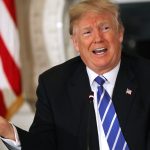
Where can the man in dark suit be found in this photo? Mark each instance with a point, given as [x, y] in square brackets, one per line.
[67, 116]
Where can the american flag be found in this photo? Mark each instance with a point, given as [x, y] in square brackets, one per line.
[10, 74]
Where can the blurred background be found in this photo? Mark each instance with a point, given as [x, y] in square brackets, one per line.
[34, 37]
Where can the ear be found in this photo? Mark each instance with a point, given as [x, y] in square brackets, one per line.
[121, 34]
[75, 42]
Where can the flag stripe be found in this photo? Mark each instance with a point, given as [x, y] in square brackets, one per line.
[9, 33]
[2, 105]
[10, 87]
[11, 8]
[10, 68]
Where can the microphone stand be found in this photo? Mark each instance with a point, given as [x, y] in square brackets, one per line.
[91, 98]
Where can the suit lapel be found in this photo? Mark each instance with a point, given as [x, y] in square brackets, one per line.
[79, 91]
[124, 91]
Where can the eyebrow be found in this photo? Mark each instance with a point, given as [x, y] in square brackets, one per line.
[86, 27]
[99, 24]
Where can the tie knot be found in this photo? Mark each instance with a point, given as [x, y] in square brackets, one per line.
[100, 80]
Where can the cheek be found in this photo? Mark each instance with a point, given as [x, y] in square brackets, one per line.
[83, 45]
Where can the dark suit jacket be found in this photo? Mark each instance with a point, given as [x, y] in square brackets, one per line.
[63, 111]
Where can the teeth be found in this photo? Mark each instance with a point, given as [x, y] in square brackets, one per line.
[99, 49]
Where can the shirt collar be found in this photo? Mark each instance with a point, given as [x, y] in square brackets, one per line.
[110, 76]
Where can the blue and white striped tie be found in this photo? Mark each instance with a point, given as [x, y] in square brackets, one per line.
[109, 118]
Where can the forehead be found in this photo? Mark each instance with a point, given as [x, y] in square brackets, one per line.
[92, 18]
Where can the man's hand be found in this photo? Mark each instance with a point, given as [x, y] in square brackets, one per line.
[6, 129]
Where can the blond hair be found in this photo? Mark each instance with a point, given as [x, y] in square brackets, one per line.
[98, 6]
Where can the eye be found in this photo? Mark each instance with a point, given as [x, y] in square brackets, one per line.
[105, 28]
[86, 33]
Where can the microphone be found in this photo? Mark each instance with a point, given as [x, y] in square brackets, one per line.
[91, 98]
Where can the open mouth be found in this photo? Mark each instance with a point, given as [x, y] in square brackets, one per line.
[99, 51]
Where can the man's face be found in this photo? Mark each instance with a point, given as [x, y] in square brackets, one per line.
[98, 40]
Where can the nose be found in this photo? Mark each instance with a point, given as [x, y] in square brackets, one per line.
[98, 37]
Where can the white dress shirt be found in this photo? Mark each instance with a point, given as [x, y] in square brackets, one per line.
[109, 86]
